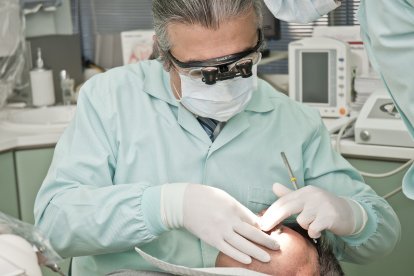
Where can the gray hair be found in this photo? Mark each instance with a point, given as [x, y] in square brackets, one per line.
[207, 13]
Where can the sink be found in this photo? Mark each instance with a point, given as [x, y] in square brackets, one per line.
[54, 118]
[42, 116]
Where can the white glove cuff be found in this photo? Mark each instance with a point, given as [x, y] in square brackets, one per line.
[172, 204]
[360, 215]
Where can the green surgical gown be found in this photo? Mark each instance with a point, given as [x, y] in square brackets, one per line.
[388, 33]
[129, 136]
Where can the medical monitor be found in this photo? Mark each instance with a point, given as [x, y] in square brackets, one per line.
[320, 75]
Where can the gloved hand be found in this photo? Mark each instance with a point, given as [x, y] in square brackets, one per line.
[318, 210]
[216, 218]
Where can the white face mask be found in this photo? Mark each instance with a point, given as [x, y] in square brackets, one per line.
[219, 101]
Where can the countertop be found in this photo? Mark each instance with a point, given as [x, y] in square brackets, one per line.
[14, 139]
[11, 140]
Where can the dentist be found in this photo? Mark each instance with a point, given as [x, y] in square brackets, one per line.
[176, 155]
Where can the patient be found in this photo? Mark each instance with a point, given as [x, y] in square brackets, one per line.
[298, 255]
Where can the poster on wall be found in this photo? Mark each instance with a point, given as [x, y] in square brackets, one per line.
[136, 45]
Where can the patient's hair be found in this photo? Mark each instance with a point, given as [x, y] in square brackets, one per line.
[328, 264]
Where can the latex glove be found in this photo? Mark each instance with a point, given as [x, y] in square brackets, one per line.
[318, 210]
[216, 218]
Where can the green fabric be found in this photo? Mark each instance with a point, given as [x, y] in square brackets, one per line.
[388, 34]
[151, 203]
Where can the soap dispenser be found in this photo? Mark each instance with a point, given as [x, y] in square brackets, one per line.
[41, 80]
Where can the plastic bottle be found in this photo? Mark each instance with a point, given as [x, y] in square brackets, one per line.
[41, 80]
[67, 86]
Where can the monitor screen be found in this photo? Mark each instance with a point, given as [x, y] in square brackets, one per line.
[315, 77]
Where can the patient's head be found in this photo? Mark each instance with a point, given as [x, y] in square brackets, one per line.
[298, 255]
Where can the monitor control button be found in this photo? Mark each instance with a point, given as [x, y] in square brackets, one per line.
[365, 135]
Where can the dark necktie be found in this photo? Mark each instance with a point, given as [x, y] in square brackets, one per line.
[209, 125]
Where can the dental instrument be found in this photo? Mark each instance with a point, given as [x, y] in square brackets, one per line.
[292, 177]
